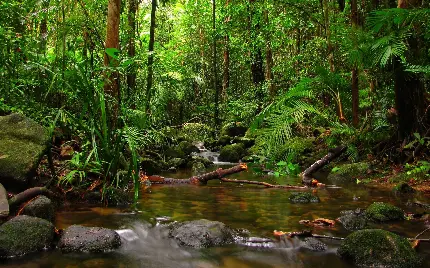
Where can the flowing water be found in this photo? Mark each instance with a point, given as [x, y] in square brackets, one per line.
[257, 209]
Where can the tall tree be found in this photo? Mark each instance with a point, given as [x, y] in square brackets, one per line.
[214, 65]
[269, 58]
[132, 10]
[226, 72]
[111, 86]
[256, 54]
[149, 79]
[354, 73]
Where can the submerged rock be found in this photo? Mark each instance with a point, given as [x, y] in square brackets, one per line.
[314, 244]
[41, 207]
[201, 233]
[353, 219]
[24, 234]
[380, 212]
[378, 248]
[78, 238]
[349, 172]
[232, 153]
[22, 144]
[303, 198]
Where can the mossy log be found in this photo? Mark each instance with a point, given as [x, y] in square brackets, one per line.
[332, 154]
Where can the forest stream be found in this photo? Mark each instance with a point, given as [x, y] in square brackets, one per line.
[257, 209]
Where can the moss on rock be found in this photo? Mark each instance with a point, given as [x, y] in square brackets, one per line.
[151, 166]
[24, 234]
[403, 188]
[348, 172]
[41, 207]
[232, 153]
[22, 143]
[380, 212]
[234, 129]
[378, 248]
[303, 198]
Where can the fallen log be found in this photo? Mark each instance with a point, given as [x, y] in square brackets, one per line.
[268, 185]
[332, 154]
[199, 180]
[28, 194]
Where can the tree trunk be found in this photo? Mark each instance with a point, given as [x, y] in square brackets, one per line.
[111, 86]
[149, 78]
[328, 35]
[43, 28]
[409, 93]
[226, 72]
[269, 58]
[131, 76]
[354, 73]
[256, 55]
[214, 66]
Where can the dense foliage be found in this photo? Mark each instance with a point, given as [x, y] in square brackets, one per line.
[354, 72]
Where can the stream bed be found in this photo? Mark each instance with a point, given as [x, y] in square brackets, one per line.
[259, 210]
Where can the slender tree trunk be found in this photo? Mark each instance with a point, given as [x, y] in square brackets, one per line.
[214, 65]
[269, 58]
[256, 55]
[226, 72]
[150, 76]
[111, 86]
[328, 35]
[354, 73]
[131, 76]
[43, 28]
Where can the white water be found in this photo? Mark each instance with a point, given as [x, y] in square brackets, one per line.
[211, 156]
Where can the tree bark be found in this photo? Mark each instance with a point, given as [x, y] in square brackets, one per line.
[111, 86]
[214, 66]
[354, 73]
[257, 70]
[269, 58]
[307, 174]
[328, 35]
[131, 76]
[149, 79]
[199, 180]
[226, 72]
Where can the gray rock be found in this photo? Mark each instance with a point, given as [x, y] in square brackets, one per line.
[378, 248]
[353, 219]
[22, 144]
[78, 238]
[24, 234]
[314, 244]
[41, 207]
[4, 204]
[201, 233]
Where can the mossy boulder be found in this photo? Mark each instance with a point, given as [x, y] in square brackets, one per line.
[195, 158]
[151, 166]
[4, 204]
[381, 212]
[247, 142]
[403, 188]
[41, 207]
[378, 248]
[22, 144]
[186, 148]
[353, 220]
[303, 198]
[234, 129]
[177, 162]
[232, 153]
[224, 140]
[198, 168]
[24, 234]
[78, 238]
[201, 233]
[348, 172]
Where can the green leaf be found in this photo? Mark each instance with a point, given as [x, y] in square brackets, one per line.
[358, 181]
[276, 174]
[112, 52]
[281, 163]
[335, 169]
